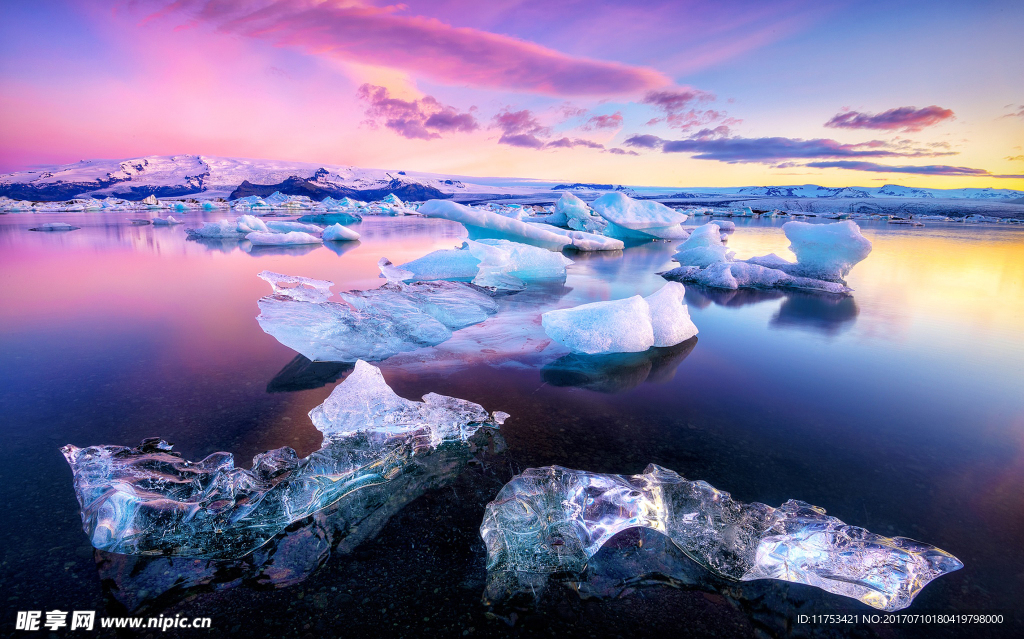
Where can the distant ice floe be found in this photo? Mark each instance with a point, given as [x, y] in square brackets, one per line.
[551, 521]
[490, 263]
[166, 221]
[55, 226]
[371, 325]
[149, 501]
[825, 254]
[291, 238]
[630, 325]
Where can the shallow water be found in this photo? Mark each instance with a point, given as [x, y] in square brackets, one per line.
[899, 409]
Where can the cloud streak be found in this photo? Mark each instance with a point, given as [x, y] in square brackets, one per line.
[682, 108]
[382, 36]
[933, 169]
[423, 119]
[708, 144]
[909, 119]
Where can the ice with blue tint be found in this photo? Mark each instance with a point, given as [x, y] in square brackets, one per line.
[485, 224]
[628, 325]
[170, 220]
[149, 501]
[704, 247]
[237, 228]
[489, 262]
[736, 275]
[339, 233]
[292, 238]
[639, 219]
[281, 226]
[553, 520]
[823, 251]
[55, 226]
[371, 325]
[583, 240]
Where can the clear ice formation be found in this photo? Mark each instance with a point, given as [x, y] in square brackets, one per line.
[553, 520]
[825, 254]
[630, 325]
[573, 212]
[280, 226]
[639, 219]
[149, 501]
[492, 263]
[371, 325]
[237, 228]
[339, 233]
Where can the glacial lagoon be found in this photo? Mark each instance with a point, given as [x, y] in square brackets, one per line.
[899, 408]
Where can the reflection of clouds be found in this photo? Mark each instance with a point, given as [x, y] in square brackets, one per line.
[617, 372]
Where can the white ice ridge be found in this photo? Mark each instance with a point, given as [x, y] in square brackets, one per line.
[482, 223]
[630, 325]
[639, 219]
[166, 221]
[291, 238]
[339, 233]
[573, 212]
[825, 254]
[494, 263]
[371, 325]
[553, 520]
[148, 500]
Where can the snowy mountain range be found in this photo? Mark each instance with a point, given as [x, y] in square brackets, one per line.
[208, 177]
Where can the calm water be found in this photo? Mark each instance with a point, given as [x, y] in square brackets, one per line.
[900, 409]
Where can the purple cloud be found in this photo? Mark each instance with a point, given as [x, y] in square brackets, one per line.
[772, 150]
[933, 169]
[645, 141]
[1019, 113]
[520, 128]
[423, 119]
[681, 108]
[909, 119]
[612, 121]
[618, 151]
[382, 36]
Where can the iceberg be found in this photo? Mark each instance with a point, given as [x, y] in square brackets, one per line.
[338, 233]
[823, 251]
[148, 501]
[735, 275]
[279, 226]
[55, 226]
[573, 212]
[584, 241]
[639, 219]
[369, 325]
[485, 224]
[552, 520]
[240, 226]
[166, 221]
[704, 247]
[281, 239]
[489, 262]
[630, 325]
[335, 217]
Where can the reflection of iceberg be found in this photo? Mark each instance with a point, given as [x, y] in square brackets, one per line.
[702, 297]
[265, 250]
[372, 325]
[340, 248]
[303, 374]
[553, 520]
[828, 314]
[616, 372]
[147, 500]
[294, 554]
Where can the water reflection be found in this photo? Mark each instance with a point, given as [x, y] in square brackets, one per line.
[617, 372]
[702, 296]
[304, 374]
[340, 248]
[828, 314]
[265, 251]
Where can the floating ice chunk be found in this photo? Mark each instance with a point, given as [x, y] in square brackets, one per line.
[553, 520]
[493, 263]
[337, 217]
[584, 241]
[445, 264]
[55, 226]
[250, 223]
[147, 500]
[298, 288]
[394, 274]
[375, 324]
[670, 318]
[281, 239]
[218, 229]
[639, 219]
[825, 251]
[481, 223]
[279, 226]
[167, 221]
[630, 325]
[704, 247]
[733, 275]
[338, 233]
[726, 226]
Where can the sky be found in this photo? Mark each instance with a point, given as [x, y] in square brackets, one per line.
[659, 93]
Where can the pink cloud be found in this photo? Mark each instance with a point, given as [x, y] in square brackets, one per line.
[909, 119]
[424, 119]
[682, 108]
[612, 121]
[383, 37]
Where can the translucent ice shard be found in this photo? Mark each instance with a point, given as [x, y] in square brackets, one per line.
[302, 289]
[639, 219]
[553, 520]
[825, 251]
[149, 501]
[704, 247]
[489, 262]
[629, 325]
[371, 325]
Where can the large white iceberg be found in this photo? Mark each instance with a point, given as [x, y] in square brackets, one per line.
[735, 275]
[292, 238]
[704, 247]
[489, 262]
[629, 325]
[240, 226]
[339, 233]
[370, 325]
[281, 226]
[485, 224]
[639, 219]
[823, 251]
